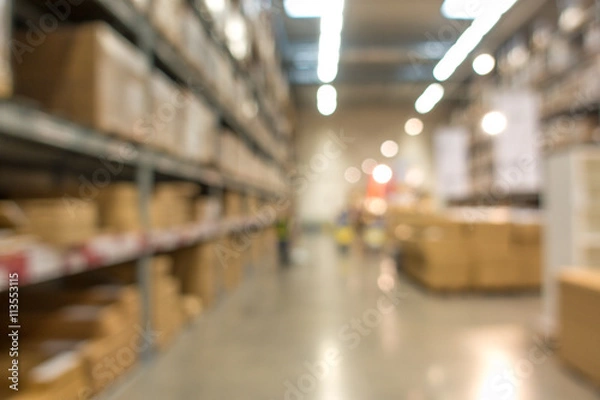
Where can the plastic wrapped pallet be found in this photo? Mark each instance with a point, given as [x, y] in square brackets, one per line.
[89, 74]
[5, 34]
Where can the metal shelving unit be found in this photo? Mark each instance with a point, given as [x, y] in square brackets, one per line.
[24, 124]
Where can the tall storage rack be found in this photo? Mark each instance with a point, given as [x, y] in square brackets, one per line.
[29, 133]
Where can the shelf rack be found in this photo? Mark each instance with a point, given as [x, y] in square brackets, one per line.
[24, 123]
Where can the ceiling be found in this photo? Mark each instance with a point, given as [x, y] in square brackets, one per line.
[389, 48]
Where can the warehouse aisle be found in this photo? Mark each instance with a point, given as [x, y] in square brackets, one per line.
[326, 330]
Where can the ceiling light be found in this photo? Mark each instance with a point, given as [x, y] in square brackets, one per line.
[484, 64]
[352, 175]
[303, 8]
[368, 166]
[462, 9]
[571, 18]
[468, 41]
[413, 127]
[215, 6]
[382, 174]
[429, 99]
[494, 123]
[327, 100]
[389, 148]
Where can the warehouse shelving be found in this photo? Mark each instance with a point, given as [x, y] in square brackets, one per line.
[25, 126]
[112, 249]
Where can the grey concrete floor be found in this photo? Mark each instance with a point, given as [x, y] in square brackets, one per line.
[345, 328]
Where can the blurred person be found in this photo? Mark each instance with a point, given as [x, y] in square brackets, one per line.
[284, 233]
[344, 234]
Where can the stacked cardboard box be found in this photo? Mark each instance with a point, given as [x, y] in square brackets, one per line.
[199, 131]
[197, 270]
[168, 113]
[173, 205]
[580, 321]
[195, 43]
[207, 209]
[526, 253]
[88, 73]
[118, 206]
[490, 246]
[448, 253]
[6, 84]
[167, 16]
[100, 323]
[48, 374]
[167, 306]
[232, 204]
[60, 222]
[232, 250]
[436, 253]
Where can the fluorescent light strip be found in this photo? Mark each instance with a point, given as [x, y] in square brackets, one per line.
[332, 22]
[430, 98]
[469, 40]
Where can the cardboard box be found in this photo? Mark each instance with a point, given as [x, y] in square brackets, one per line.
[526, 233]
[79, 321]
[108, 358]
[580, 321]
[60, 222]
[207, 209]
[6, 79]
[118, 207]
[495, 275]
[173, 205]
[232, 206]
[489, 242]
[528, 262]
[169, 106]
[89, 74]
[167, 308]
[195, 41]
[196, 268]
[58, 376]
[192, 307]
[167, 16]
[199, 131]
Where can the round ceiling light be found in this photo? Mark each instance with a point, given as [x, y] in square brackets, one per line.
[382, 174]
[413, 127]
[484, 64]
[494, 123]
[389, 149]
